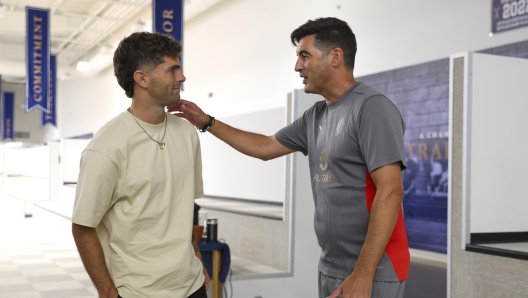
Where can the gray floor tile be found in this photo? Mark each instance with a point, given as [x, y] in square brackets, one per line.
[49, 278]
[10, 273]
[58, 250]
[6, 263]
[17, 288]
[38, 266]
[426, 278]
[75, 269]
[87, 283]
[28, 256]
[13, 280]
[45, 243]
[66, 293]
[58, 285]
[67, 259]
[31, 294]
[43, 272]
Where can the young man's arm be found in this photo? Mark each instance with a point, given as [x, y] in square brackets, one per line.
[252, 144]
[93, 259]
[199, 255]
[383, 216]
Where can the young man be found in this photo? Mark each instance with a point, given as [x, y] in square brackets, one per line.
[140, 174]
[354, 142]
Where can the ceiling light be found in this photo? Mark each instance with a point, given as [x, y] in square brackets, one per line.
[83, 66]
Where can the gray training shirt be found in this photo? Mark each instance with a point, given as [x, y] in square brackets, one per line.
[345, 141]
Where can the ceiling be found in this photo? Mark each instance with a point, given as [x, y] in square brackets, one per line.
[80, 30]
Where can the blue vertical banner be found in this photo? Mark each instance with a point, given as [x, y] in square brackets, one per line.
[37, 59]
[167, 18]
[8, 131]
[51, 117]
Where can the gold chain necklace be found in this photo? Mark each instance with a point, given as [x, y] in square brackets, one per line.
[160, 143]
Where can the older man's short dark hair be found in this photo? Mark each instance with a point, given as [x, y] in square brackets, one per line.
[330, 33]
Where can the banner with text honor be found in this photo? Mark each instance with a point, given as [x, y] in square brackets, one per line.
[167, 16]
[9, 116]
[37, 58]
[51, 117]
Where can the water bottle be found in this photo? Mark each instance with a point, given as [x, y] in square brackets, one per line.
[212, 230]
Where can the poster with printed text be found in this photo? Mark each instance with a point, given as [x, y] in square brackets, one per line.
[508, 15]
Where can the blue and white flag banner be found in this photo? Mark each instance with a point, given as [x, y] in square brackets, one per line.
[167, 16]
[51, 117]
[8, 131]
[37, 58]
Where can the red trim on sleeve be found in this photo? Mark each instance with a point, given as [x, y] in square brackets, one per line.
[398, 247]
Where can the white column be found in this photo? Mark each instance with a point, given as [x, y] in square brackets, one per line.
[55, 179]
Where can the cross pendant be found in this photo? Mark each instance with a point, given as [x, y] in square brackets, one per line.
[161, 149]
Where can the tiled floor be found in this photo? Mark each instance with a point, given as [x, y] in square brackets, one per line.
[26, 187]
[38, 257]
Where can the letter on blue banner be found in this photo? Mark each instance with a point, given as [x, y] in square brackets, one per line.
[9, 116]
[51, 117]
[37, 58]
[168, 17]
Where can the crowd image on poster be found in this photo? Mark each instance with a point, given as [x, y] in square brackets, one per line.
[427, 167]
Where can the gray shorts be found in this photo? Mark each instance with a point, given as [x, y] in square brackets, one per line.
[380, 289]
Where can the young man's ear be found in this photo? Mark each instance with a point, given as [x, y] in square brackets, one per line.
[140, 78]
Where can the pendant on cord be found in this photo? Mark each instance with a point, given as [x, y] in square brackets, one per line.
[161, 147]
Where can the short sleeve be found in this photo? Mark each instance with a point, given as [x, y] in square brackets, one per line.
[198, 180]
[95, 188]
[294, 136]
[380, 135]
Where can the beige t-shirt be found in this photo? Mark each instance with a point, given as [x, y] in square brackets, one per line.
[141, 202]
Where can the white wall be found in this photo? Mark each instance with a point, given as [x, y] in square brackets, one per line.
[243, 46]
[31, 162]
[71, 158]
[87, 104]
[240, 48]
[244, 177]
[497, 152]
[470, 274]
[304, 247]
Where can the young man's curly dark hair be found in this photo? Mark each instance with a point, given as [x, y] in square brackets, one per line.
[142, 50]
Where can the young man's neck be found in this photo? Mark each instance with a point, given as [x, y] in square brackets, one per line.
[147, 112]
